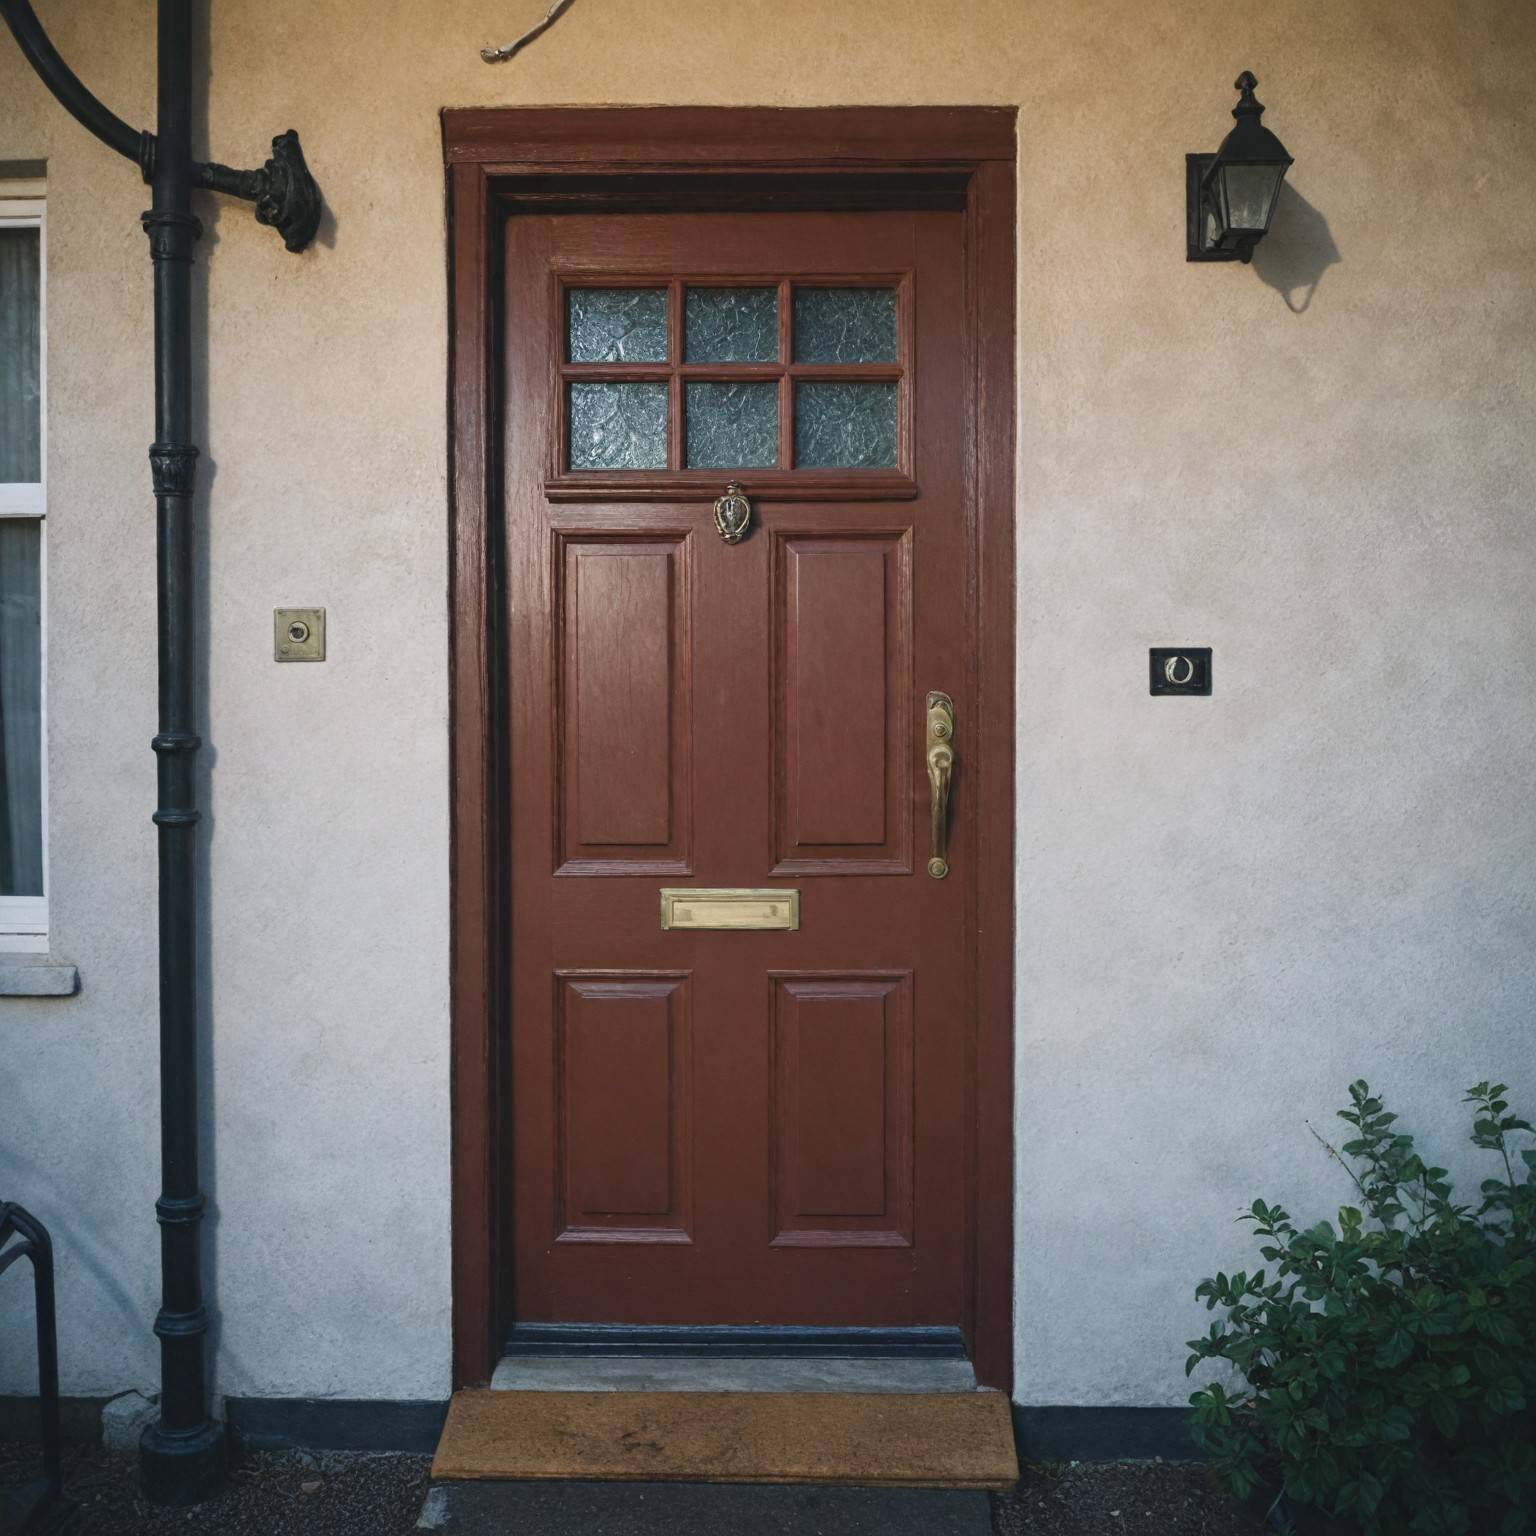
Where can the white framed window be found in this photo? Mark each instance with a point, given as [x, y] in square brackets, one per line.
[23, 569]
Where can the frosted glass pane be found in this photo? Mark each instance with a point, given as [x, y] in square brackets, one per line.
[731, 325]
[617, 325]
[733, 426]
[21, 408]
[21, 697]
[1250, 189]
[845, 426]
[845, 325]
[617, 426]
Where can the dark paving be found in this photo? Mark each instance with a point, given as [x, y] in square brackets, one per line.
[328, 1493]
[699, 1509]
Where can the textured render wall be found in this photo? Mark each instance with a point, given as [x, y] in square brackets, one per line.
[1321, 465]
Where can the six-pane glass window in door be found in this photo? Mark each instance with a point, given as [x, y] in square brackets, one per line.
[23, 902]
[763, 375]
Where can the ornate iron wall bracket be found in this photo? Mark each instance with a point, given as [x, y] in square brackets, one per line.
[286, 195]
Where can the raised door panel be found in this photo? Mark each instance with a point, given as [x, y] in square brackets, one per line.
[623, 696]
[841, 1122]
[842, 648]
[622, 1108]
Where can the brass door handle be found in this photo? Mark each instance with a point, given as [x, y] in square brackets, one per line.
[941, 762]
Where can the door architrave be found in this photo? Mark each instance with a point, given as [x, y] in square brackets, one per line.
[500, 160]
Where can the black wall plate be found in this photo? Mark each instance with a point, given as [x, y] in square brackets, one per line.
[1181, 669]
[1195, 248]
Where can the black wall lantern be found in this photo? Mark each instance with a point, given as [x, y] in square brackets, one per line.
[1231, 195]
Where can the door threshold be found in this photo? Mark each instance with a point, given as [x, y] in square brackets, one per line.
[731, 1342]
[621, 1357]
[607, 1373]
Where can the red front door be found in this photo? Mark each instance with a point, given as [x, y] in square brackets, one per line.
[736, 1125]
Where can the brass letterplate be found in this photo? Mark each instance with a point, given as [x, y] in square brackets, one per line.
[730, 909]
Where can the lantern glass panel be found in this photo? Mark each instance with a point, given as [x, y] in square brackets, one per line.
[1250, 195]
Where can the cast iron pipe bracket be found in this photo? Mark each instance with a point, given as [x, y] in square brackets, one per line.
[285, 193]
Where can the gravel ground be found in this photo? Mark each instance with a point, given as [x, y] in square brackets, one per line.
[274, 1493]
[1118, 1499]
[329, 1493]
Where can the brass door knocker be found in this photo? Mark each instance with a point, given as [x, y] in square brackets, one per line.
[733, 514]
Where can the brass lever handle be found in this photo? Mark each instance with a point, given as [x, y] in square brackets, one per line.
[941, 762]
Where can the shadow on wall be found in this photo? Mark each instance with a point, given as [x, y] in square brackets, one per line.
[1296, 252]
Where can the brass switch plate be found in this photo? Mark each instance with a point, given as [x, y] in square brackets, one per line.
[298, 634]
[730, 909]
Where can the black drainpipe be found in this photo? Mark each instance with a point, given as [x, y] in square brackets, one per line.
[183, 1455]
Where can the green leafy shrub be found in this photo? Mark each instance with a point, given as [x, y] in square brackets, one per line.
[1390, 1362]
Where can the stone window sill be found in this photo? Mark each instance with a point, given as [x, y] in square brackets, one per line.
[40, 977]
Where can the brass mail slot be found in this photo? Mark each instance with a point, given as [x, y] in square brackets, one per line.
[730, 909]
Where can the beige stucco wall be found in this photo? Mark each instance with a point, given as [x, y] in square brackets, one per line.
[1321, 465]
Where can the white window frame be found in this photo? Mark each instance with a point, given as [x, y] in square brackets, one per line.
[24, 919]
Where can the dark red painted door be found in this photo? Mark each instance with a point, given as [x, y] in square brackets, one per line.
[736, 1126]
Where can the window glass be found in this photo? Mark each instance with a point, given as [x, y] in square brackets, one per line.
[845, 426]
[731, 325]
[845, 325]
[21, 706]
[732, 425]
[766, 374]
[23, 852]
[617, 325]
[617, 426]
[20, 356]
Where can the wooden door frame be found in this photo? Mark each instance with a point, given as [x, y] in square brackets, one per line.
[606, 158]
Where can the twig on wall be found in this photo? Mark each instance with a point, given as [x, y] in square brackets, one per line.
[555, 12]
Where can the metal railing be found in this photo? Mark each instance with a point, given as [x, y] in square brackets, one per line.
[22, 1235]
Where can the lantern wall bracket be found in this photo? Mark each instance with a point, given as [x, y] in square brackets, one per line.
[1195, 168]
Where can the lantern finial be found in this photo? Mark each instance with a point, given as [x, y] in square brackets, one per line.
[1249, 106]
